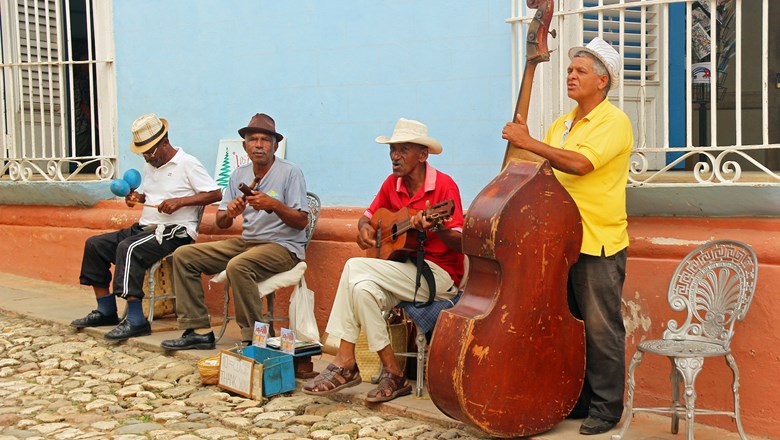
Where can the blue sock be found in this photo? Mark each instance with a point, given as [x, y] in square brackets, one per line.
[107, 305]
[135, 312]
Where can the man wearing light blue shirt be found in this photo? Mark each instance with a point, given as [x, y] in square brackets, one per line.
[272, 241]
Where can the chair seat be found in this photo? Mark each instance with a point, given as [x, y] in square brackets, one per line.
[271, 284]
[427, 316]
[669, 347]
[284, 279]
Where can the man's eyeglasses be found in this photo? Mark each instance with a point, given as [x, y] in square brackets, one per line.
[151, 152]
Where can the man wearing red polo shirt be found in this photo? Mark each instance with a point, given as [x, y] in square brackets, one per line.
[370, 286]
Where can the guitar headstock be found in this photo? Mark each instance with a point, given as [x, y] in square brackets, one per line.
[536, 38]
[440, 212]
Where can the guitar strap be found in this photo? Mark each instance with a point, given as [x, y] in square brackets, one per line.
[423, 270]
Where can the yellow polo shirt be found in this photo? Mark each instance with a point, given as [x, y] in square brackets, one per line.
[605, 137]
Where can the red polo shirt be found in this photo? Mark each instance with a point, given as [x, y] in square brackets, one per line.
[436, 188]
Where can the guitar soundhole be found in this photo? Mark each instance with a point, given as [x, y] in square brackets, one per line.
[395, 232]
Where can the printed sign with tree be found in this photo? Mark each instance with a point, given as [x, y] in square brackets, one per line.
[231, 155]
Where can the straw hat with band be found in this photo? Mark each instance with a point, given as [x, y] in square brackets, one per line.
[147, 131]
[605, 53]
[408, 130]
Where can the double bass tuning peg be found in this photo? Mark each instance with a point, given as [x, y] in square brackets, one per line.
[553, 33]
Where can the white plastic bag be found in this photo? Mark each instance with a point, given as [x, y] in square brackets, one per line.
[302, 313]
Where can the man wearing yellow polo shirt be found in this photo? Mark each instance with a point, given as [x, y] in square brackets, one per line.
[589, 148]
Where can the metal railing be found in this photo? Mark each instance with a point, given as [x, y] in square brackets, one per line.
[56, 66]
[710, 130]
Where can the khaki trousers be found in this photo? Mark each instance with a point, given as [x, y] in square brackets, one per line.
[368, 287]
[246, 263]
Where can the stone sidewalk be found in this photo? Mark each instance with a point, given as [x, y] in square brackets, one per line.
[58, 383]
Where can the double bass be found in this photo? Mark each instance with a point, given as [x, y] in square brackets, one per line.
[511, 361]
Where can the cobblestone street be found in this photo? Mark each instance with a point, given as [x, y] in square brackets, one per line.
[56, 383]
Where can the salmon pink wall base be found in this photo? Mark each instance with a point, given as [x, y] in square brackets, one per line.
[47, 243]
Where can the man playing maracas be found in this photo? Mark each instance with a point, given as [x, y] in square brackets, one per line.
[175, 184]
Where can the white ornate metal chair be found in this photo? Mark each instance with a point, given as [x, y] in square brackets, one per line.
[714, 284]
[268, 287]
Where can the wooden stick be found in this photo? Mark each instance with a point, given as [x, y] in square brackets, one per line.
[133, 202]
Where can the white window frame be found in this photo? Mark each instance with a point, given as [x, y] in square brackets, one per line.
[717, 164]
[38, 136]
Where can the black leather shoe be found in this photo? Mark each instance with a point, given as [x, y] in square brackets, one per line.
[190, 341]
[594, 425]
[95, 319]
[125, 330]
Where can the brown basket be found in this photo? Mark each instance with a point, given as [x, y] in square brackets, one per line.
[369, 362]
[330, 344]
[164, 288]
[209, 370]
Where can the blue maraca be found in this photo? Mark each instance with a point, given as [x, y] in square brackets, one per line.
[133, 178]
[120, 187]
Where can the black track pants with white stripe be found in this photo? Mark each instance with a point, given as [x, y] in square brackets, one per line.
[132, 250]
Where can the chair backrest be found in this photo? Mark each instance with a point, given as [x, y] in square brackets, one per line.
[200, 209]
[314, 214]
[715, 284]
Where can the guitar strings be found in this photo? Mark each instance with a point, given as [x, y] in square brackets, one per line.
[405, 225]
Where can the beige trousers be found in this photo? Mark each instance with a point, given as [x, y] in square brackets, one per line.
[246, 263]
[368, 287]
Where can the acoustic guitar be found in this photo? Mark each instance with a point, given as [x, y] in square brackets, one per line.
[395, 237]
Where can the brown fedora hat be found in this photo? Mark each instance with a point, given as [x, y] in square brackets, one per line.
[261, 123]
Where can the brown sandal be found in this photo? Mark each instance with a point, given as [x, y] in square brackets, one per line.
[332, 379]
[389, 387]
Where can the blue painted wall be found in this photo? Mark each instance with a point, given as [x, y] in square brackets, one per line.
[334, 74]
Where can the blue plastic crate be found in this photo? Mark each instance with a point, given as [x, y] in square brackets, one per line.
[278, 371]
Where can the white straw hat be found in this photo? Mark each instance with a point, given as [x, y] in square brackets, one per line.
[147, 131]
[606, 54]
[408, 130]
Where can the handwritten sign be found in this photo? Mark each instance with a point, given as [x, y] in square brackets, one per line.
[235, 373]
[231, 155]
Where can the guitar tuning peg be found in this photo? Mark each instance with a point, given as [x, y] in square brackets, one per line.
[553, 33]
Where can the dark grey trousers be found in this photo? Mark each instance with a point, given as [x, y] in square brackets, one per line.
[595, 292]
